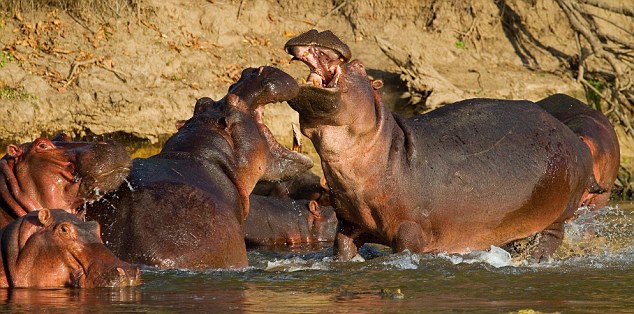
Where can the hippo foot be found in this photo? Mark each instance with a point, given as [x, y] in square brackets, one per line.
[548, 241]
[410, 237]
[345, 249]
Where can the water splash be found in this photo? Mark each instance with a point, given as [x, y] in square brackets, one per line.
[495, 256]
[294, 264]
[129, 184]
[404, 260]
[604, 233]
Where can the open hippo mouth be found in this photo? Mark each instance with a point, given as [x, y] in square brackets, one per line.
[276, 86]
[256, 88]
[324, 54]
[295, 152]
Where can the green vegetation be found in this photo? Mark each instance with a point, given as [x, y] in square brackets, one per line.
[459, 44]
[5, 57]
[12, 93]
[593, 97]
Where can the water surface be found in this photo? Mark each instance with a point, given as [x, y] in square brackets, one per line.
[592, 273]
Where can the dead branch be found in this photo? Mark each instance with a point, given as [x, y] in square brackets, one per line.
[629, 11]
[73, 70]
[575, 19]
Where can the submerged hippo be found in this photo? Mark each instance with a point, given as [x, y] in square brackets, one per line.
[282, 221]
[57, 173]
[463, 177]
[185, 206]
[53, 248]
[595, 130]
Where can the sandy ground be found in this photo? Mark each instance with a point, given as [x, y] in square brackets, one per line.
[132, 76]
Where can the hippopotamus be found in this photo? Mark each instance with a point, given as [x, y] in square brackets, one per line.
[596, 131]
[463, 177]
[306, 186]
[58, 173]
[283, 221]
[53, 248]
[185, 206]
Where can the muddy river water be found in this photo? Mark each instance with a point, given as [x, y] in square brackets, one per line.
[590, 274]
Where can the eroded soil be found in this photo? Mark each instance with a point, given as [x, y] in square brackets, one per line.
[137, 73]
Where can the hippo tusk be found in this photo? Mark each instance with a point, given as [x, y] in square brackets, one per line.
[297, 139]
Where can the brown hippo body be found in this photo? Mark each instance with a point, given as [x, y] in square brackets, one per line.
[55, 173]
[282, 221]
[596, 131]
[185, 206]
[53, 248]
[469, 175]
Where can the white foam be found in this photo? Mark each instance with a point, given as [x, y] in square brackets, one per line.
[495, 256]
[405, 260]
[294, 264]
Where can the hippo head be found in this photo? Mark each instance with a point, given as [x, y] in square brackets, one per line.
[322, 221]
[335, 84]
[57, 173]
[231, 131]
[53, 248]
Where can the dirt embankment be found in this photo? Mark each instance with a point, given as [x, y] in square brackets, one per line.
[137, 69]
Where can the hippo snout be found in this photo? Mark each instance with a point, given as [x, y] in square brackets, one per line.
[103, 167]
[119, 276]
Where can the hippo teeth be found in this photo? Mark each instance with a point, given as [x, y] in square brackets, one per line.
[324, 64]
[297, 139]
[336, 74]
[314, 79]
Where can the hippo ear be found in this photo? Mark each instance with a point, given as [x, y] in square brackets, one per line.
[180, 123]
[376, 84]
[15, 150]
[324, 184]
[313, 207]
[203, 104]
[61, 137]
[234, 100]
[44, 216]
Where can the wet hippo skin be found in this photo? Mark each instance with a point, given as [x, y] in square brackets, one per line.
[469, 175]
[596, 131]
[185, 206]
[53, 248]
[283, 221]
[57, 173]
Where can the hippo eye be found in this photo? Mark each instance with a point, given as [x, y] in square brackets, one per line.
[65, 229]
[222, 122]
[43, 145]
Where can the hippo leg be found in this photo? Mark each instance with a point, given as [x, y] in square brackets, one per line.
[549, 240]
[347, 241]
[409, 236]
